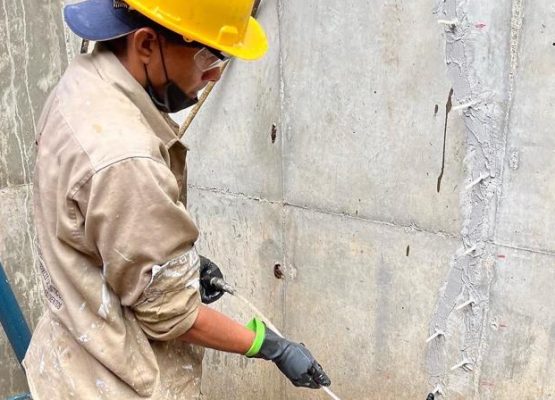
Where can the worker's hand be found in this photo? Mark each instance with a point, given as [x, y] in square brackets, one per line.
[208, 271]
[293, 360]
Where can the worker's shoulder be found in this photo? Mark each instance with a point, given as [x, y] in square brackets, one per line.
[106, 124]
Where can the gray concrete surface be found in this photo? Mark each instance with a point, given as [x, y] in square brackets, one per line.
[525, 216]
[357, 300]
[32, 57]
[361, 146]
[519, 361]
[345, 198]
[353, 124]
[254, 245]
[247, 108]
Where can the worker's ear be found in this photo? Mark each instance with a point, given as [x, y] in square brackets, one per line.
[143, 43]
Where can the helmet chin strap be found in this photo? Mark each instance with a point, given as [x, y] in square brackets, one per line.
[173, 98]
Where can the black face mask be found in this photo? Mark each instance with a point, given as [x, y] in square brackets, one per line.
[173, 98]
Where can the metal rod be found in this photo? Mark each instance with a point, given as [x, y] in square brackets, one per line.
[23, 396]
[255, 7]
[84, 47]
[12, 318]
[193, 113]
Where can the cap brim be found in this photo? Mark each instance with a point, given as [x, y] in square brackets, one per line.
[97, 20]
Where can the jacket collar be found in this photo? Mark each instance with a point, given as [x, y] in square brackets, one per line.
[113, 72]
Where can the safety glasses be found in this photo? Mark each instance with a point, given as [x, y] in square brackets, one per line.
[207, 59]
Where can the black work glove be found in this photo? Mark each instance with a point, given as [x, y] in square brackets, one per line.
[293, 360]
[209, 270]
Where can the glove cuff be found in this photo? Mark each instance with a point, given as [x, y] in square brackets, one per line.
[258, 327]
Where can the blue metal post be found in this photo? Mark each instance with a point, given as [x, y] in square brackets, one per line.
[24, 396]
[12, 319]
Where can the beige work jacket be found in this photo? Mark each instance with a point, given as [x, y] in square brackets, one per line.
[117, 261]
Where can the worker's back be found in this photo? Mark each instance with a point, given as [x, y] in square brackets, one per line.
[101, 145]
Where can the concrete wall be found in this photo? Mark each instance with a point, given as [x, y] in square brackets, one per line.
[34, 51]
[376, 259]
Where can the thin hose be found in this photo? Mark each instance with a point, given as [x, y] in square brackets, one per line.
[272, 327]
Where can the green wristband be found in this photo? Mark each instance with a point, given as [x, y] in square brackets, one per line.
[258, 327]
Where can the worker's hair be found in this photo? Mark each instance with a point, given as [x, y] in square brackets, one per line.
[119, 45]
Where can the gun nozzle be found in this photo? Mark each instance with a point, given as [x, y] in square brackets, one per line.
[220, 284]
[229, 289]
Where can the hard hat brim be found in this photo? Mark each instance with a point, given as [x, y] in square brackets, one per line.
[255, 43]
[253, 46]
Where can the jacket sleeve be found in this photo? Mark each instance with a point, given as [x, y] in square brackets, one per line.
[144, 237]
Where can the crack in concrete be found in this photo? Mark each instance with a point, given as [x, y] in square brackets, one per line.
[543, 252]
[472, 269]
[516, 28]
[282, 141]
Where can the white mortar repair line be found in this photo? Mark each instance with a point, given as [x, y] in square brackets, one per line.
[472, 267]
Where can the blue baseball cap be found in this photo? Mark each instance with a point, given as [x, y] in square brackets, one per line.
[101, 20]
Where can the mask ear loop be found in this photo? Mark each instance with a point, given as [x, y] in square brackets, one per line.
[162, 57]
[146, 74]
[163, 105]
[148, 81]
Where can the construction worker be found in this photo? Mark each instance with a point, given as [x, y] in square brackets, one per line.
[125, 318]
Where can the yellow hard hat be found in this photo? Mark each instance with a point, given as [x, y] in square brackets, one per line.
[225, 25]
